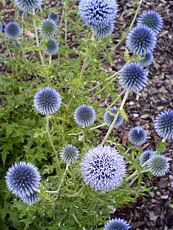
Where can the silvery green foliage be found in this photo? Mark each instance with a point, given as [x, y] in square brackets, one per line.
[163, 124]
[103, 168]
[109, 116]
[48, 28]
[51, 47]
[151, 19]
[145, 156]
[13, 30]
[117, 224]
[69, 154]
[47, 101]
[31, 199]
[99, 15]
[133, 77]
[147, 59]
[84, 115]
[23, 179]
[158, 165]
[28, 5]
[141, 40]
[137, 136]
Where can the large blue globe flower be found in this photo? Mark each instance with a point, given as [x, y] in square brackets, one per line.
[133, 77]
[23, 179]
[163, 124]
[48, 28]
[47, 101]
[137, 136]
[103, 168]
[51, 47]
[13, 30]
[117, 224]
[69, 154]
[145, 156]
[141, 40]
[84, 115]
[28, 5]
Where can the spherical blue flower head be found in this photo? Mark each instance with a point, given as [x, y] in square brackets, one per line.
[53, 16]
[104, 30]
[147, 59]
[31, 199]
[151, 19]
[48, 28]
[110, 115]
[103, 168]
[158, 165]
[117, 224]
[163, 124]
[137, 136]
[47, 101]
[84, 115]
[13, 30]
[69, 154]
[145, 156]
[51, 47]
[23, 179]
[133, 77]
[28, 5]
[141, 40]
[96, 12]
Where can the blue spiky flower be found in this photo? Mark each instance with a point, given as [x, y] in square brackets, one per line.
[145, 156]
[97, 12]
[84, 115]
[31, 199]
[103, 168]
[110, 115]
[137, 136]
[151, 19]
[133, 77]
[28, 5]
[104, 30]
[48, 28]
[13, 30]
[163, 124]
[23, 179]
[47, 101]
[51, 47]
[69, 154]
[117, 224]
[141, 40]
[158, 165]
[147, 59]
[53, 16]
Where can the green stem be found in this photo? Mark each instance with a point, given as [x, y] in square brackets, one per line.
[116, 117]
[50, 59]
[77, 193]
[98, 126]
[116, 99]
[37, 40]
[51, 143]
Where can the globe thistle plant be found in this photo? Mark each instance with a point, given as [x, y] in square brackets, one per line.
[51, 47]
[28, 5]
[103, 168]
[147, 59]
[145, 156]
[141, 40]
[31, 199]
[109, 117]
[13, 30]
[97, 12]
[158, 165]
[69, 154]
[48, 28]
[133, 77]
[47, 101]
[23, 179]
[137, 136]
[84, 115]
[53, 16]
[117, 224]
[151, 19]
[163, 124]
[104, 30]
